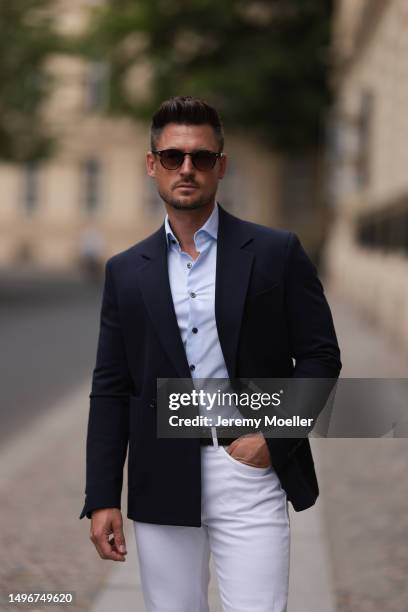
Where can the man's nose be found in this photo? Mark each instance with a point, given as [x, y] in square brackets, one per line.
[187, 165]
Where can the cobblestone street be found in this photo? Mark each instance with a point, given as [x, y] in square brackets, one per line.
[44, 545]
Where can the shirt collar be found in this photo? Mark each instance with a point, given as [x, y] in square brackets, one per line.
[210, 228]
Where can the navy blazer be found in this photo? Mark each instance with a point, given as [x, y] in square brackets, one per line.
[269, 308]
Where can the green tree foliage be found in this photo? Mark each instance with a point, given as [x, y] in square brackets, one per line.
[26, 39]
[263, 63]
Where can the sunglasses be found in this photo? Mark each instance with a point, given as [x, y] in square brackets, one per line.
[203, 160]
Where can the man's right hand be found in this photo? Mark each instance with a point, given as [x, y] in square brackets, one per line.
[104, 523]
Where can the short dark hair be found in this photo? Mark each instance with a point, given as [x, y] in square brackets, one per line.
[185, 110]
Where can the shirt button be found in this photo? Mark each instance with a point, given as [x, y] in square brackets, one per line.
[192, 367]
[189, 265]
[194, 330]
[192, 294]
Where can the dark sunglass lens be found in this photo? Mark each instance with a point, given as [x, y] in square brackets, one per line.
[204, 160]
[172, 158]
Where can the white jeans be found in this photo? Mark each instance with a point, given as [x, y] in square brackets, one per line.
[245, 526]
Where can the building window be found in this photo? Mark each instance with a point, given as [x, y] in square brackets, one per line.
[30, 187]
[385, 229]
[96, 86]
[91, 177]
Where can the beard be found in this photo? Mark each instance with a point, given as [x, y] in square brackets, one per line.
[180, 204]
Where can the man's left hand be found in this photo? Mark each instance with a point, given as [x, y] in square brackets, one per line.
[251, 450]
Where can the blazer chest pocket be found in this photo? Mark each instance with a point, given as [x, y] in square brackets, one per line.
[269, 297]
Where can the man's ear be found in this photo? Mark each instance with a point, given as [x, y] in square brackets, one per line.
[150, 164]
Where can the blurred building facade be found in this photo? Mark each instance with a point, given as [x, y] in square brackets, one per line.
[94, 193]
[367, 254]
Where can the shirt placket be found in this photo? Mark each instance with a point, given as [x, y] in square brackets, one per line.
[192, 268]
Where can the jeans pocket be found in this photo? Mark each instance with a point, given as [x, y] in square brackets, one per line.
[247, 469]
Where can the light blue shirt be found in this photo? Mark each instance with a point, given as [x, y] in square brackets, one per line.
[192, 284]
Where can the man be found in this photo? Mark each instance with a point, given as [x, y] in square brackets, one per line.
[206, 296]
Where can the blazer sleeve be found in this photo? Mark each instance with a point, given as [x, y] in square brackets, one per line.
[108, 428]
[313, 344]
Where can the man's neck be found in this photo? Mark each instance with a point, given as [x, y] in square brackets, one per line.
[185, 223]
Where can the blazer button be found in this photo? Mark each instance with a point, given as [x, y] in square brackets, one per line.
[152, 404]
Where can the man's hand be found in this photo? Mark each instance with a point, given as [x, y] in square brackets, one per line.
[251, 450]
[105, 522]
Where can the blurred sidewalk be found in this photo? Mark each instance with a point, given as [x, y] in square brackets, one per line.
[363, 483]
[44, 545]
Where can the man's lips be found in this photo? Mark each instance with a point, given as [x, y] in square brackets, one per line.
[186, 186]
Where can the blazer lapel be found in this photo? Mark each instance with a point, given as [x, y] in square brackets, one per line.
[234, 265]
[155, 287]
